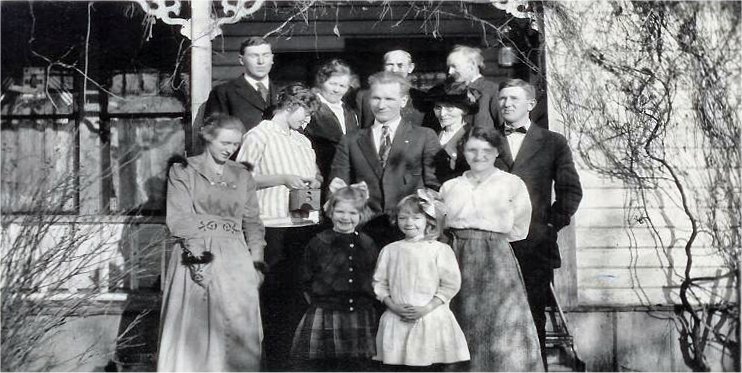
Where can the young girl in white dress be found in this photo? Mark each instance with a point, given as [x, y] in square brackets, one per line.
[416, 279]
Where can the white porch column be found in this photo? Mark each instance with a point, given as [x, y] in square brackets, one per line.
[201, 24]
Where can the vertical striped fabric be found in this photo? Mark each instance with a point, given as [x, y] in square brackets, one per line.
[273, 152]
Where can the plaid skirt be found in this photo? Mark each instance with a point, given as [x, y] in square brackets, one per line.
[330, 334]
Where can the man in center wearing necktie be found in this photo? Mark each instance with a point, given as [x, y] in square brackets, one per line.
[394, 157]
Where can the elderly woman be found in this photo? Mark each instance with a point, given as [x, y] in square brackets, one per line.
[487, 209]
[210, 313]
[283, 160]
[451, 106]
[334, 118]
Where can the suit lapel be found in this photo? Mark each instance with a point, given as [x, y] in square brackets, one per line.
[351, 120]
[272, 93]
[331, 129]
[451, 146]
[248, 93]
[401, 140]
[366, 144]
[530, 146]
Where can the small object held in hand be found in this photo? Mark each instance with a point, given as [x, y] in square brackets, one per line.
[261, 266]
[304, 199]
[188, 258]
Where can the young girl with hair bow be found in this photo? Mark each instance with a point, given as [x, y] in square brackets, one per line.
[416, 278]
[337, 331]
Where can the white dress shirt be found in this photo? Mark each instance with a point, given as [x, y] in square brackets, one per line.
[254, 83]
[376, 130]
[515, 139]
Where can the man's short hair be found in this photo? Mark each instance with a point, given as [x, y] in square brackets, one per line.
[388, 77]
[251, 42]
[473, 54]
[403, 52]
[520, 83]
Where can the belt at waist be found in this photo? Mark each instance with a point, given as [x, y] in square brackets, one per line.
[477, 234]
[205, 226]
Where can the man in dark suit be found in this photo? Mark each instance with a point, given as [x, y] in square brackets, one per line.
[542, 159]
[400, 62]
[393, 157]
[464, 66]
[251, 95]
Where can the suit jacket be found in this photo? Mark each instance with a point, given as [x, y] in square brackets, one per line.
[325, 133]
[489, 104]
[409, 167]
[238, 98]
[544, 159]
[414, 111]
[449, 156]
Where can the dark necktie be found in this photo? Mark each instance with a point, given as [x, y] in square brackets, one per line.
[385, 146]
[509, 130]
[262, 91]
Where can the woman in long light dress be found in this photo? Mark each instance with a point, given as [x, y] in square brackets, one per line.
[210, 318]
[487, 209]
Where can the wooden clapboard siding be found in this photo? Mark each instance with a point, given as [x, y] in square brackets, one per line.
[645, 257]
[620, 236]
[642, 277]
[620, 261]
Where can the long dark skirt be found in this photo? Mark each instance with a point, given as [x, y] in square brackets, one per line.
[492, 307]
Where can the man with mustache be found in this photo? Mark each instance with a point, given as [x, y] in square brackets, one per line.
[249, 96]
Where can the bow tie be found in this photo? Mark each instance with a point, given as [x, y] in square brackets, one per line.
[509, 130]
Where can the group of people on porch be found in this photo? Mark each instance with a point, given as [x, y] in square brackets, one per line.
[397, 230]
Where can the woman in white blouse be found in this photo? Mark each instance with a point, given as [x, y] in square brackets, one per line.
[487, 209]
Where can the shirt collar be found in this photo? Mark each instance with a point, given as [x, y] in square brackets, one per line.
[525, 123]
[475, 78]
[254, 82]
[393, 124]
[337, 106]
[454, 128]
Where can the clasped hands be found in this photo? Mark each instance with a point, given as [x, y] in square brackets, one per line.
[410, 313]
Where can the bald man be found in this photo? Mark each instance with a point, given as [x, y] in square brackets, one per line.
[399, 62]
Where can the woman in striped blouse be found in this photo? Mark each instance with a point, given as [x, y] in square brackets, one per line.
[283, 159]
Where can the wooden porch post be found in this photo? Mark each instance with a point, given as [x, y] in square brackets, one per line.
[201, 32]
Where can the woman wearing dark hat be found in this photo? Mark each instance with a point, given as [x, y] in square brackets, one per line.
[451, 106]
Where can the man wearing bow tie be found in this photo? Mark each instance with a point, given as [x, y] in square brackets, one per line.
[394, 157]
[541, 158]
[249, 96]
